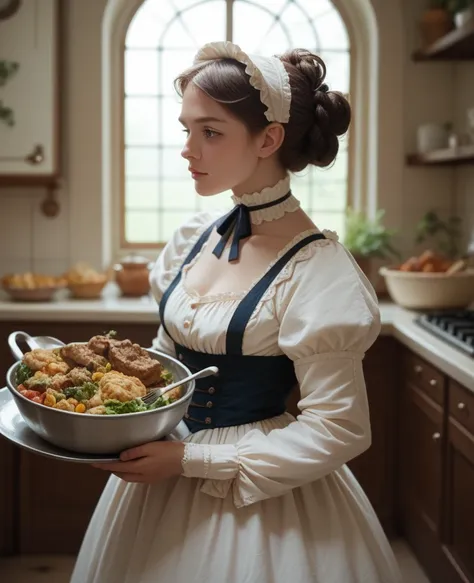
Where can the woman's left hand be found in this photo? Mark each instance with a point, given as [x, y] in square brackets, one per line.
[148, 463]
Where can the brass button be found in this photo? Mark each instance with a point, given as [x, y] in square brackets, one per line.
[186, 323]
[208, 421]
[211, 390]
[209, 404]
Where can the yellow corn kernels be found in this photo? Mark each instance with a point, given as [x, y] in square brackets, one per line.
[81, 408]
[49, 400]
[97, 376]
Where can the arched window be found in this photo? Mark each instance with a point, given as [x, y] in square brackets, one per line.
[160, 42]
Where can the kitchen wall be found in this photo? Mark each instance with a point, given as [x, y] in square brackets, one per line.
[464, 178]
[431, 92]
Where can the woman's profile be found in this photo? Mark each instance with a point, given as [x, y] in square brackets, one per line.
[244, 492]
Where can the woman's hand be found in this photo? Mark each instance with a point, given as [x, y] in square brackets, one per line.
[148, 463]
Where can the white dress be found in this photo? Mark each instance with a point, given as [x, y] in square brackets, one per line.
[267, 502]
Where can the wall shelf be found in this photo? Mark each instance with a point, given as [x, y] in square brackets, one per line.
[457, 45]
[447, 157]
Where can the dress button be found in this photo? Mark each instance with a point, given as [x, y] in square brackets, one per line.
[193, 306]
[211, 390]
[186, 323]
[208, 420]
[209, 404]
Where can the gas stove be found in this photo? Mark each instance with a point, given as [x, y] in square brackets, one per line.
[454, 326]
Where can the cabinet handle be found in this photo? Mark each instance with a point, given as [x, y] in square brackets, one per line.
[461, 406]
[433, 382]
[436, 436]
[418, 369]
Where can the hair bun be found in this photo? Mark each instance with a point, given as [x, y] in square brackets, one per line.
[322, 115]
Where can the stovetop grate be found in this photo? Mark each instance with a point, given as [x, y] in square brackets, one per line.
[454, 326]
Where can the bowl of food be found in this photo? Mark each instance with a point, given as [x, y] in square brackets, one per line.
[86, 396]
[430, 282]
[32, 287]
[85, 282]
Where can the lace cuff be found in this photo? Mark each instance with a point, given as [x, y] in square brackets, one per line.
[214, 462]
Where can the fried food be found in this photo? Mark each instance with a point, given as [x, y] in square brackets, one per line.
[120, 387]
[427, 262]
[133, 360]
[39, 359]
[82, 272]
[81, 355]
[31, 281]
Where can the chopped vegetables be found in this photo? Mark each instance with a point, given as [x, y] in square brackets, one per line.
[83, 392]
[24, 372]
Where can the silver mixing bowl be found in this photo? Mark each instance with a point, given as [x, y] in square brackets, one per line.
[104, 434]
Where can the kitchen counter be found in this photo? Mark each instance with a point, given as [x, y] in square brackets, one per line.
[396, 322]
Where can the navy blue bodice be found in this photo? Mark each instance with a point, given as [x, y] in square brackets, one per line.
[247, 388]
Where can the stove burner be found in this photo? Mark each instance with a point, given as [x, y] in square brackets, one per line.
[454, 326]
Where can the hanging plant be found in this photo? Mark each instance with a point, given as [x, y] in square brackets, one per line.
[7, 70]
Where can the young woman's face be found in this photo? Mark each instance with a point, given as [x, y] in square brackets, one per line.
[220, 151]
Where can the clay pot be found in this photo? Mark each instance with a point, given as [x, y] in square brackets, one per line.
[132, 275]
[434, 24]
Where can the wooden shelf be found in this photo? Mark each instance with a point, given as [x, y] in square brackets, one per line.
[458, 45]
[447, 157]
[32, 180]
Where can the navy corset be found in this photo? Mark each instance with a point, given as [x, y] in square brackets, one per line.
[247, 388]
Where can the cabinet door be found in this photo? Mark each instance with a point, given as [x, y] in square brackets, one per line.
[459, 534]
[56, 502]
[421, 427]
[30, 39]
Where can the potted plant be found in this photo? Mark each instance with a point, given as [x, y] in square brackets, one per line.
[436, 21]
[445, 235]
[368, 239]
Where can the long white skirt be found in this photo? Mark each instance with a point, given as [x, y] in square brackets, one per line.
[170, 532]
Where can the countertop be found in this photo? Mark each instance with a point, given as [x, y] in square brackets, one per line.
[396, 321]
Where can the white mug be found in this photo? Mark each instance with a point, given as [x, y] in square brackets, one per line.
[432, 136]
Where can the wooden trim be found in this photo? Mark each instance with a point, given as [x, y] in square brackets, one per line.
[446, 157]
[30, 180]
[456, 45]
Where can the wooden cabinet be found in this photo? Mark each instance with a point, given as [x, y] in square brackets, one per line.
[45, 505]
[436, 471]
[29, 149]
[459, 529]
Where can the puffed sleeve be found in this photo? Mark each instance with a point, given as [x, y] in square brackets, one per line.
[168, 264]
[330, 319]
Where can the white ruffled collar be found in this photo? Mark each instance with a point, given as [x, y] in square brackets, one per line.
[269, 194]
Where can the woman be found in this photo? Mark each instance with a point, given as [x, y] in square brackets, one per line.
[250, 494]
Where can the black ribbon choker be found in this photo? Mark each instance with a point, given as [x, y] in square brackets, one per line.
[238, 221]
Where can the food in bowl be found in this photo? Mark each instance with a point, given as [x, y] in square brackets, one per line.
[104, 376]
[431, 262]
[84, 281]
[31, 286]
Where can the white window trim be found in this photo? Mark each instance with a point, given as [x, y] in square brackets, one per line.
[375, 31]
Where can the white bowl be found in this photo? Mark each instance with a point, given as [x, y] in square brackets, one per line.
[423, 291]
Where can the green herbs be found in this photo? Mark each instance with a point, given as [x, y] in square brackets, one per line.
[113, 407]
[167, 376]
[81, 393]
[23, 373]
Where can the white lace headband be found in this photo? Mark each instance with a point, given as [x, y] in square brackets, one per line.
[267, 74]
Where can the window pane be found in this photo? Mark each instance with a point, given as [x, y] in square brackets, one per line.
[161, 43]
[142, 162]
[141, 195]
[148, 24]
[141, 72]
[179, 195]
[141, 120]
[171, 131]
[141, 227]
[174, 165]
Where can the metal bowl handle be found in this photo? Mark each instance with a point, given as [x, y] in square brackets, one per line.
[12, 343]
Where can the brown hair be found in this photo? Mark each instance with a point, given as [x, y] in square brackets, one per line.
[317, 116]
